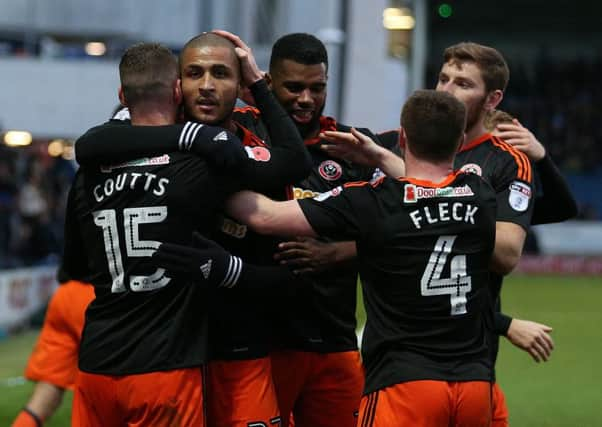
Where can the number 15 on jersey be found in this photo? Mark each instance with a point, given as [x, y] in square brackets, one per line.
[135, 247]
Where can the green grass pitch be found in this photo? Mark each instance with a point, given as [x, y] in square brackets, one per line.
[564, 392]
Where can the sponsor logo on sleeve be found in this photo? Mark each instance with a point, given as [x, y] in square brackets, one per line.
[472, 168]
[330, 170]
[519, 197]
[260, 154]
[412, 193]
[145, 161]
[332, 193]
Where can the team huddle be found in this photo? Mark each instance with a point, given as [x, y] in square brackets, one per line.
[224, 246]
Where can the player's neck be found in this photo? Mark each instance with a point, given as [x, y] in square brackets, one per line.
[427, 170]
[474, 132]
[152, 117]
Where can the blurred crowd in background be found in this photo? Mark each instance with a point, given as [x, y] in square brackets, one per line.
[33, 193]
[556, 100]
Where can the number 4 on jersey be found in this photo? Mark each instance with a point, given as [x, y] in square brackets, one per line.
[457, 285]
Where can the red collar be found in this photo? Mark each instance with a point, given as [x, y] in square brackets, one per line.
[326, 123]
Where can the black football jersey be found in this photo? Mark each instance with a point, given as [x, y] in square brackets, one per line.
[317, 312]
[241, 319]
[142, 320]
[423, 252]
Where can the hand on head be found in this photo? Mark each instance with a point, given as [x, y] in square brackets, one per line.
[250, 71]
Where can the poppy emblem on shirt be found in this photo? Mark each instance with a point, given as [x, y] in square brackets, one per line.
[472, 168]
[260, 154]
[330, 170]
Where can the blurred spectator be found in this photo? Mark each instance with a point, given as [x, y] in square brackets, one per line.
[33, 190]
[8, 192]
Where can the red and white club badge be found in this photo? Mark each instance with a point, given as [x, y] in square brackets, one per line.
[330, 170]
[472, 168]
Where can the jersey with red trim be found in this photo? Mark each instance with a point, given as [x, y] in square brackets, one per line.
[318, 312]
[240, 320]
[142, 320]
[509, 172]
[423, 255]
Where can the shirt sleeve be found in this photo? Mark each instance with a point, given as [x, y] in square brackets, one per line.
[118, 141]
[335, 213]
[554, 202]
[514, 189]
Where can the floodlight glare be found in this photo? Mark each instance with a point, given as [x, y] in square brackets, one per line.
[396, 18]
[96, 48]
[17, 138]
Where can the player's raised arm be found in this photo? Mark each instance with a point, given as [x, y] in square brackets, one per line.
[287, 158]
[288, 155]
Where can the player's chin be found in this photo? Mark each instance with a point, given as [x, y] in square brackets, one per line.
[212, 119]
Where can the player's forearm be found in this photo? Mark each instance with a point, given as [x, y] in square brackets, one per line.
[267, 216]
[557, 202]
[509, 240]
[116, 142]
[391, 164]
[290, 161]
[45, 400]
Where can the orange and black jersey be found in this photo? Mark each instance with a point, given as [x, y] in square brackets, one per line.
[508, 170]
[142, 320]
[509, 173]
[423, 254]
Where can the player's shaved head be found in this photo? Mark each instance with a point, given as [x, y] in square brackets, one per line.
[434, 123]
[208, 40]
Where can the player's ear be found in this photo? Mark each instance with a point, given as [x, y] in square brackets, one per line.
[121, 97]
[177, 92]
[493, 99]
